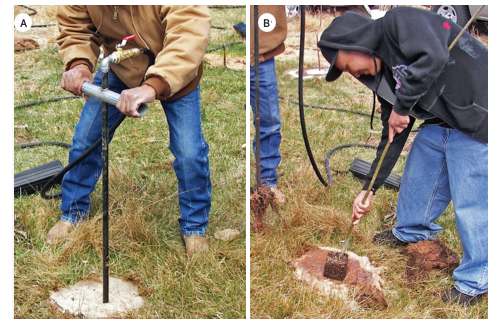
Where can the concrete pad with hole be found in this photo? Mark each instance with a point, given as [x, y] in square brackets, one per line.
[85, 299]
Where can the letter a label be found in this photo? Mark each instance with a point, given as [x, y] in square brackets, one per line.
[22, 22]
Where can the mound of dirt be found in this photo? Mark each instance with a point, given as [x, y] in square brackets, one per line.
[25, 44]
[426, 255]
[362, 281]
[260, 199]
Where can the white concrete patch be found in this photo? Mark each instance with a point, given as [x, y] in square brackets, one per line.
[309, 73]
[85, 298]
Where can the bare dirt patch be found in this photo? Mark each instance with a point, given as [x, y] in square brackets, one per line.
[362, 280]
[25, 44]
[235, 63]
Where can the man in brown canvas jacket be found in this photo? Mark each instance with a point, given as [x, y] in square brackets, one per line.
[177, 36]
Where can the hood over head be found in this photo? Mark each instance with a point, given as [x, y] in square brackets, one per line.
[351, 31]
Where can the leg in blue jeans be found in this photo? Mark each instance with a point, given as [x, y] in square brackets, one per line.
[191, 164]
[270, 121]
[444, 165]
[187, 145]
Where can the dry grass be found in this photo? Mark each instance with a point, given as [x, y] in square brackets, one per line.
[320, 216]
[145, 242]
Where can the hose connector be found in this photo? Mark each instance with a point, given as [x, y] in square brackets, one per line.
[120, 54]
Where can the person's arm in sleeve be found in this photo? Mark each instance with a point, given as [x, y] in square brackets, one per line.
[186, 39]
[78, 47]
[421, 44]
[390, 160]
[78, 39]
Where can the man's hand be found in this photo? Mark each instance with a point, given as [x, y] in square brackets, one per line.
[397, 123]
[131, 99]
[72, 80]
[359, 209]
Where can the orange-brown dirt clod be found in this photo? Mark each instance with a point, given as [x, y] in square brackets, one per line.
[260, 199]
[426, 255]
[25, 44]
[362, 279]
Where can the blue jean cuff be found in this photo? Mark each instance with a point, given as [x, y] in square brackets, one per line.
[194, 233]
[74, 219]
[469, 292]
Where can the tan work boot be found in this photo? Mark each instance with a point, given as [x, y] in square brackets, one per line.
[60, 230]
[195, 245]
[280, 197]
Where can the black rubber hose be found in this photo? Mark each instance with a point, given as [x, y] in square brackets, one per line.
[327, 161]
[33, 11]
[45, 143]
[58, 178]
[301, 95]
[225, 7]
[329, 108]
[45, 101]
[221, 46]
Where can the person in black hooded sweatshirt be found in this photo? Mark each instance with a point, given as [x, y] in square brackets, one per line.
[404, 58]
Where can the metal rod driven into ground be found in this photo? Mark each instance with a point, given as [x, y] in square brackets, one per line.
[109, 97]
[257, 93]
[105, 214]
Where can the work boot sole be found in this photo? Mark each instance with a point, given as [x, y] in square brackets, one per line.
[388, 238]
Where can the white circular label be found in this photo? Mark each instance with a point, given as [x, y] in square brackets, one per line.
[267, 22]
[22, 22]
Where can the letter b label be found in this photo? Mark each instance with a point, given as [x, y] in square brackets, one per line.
[267, 22]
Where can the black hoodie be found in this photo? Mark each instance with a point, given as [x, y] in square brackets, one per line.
[427, 81]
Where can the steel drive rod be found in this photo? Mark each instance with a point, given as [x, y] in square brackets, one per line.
[257, 92]
[105, 219]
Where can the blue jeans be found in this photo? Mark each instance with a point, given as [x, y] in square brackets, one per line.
[445, 165]
[187, 144]
[270, 121]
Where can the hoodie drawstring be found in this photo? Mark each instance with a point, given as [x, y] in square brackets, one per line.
[377, 84]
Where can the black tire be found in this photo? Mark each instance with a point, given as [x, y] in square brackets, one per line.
[457, 13]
